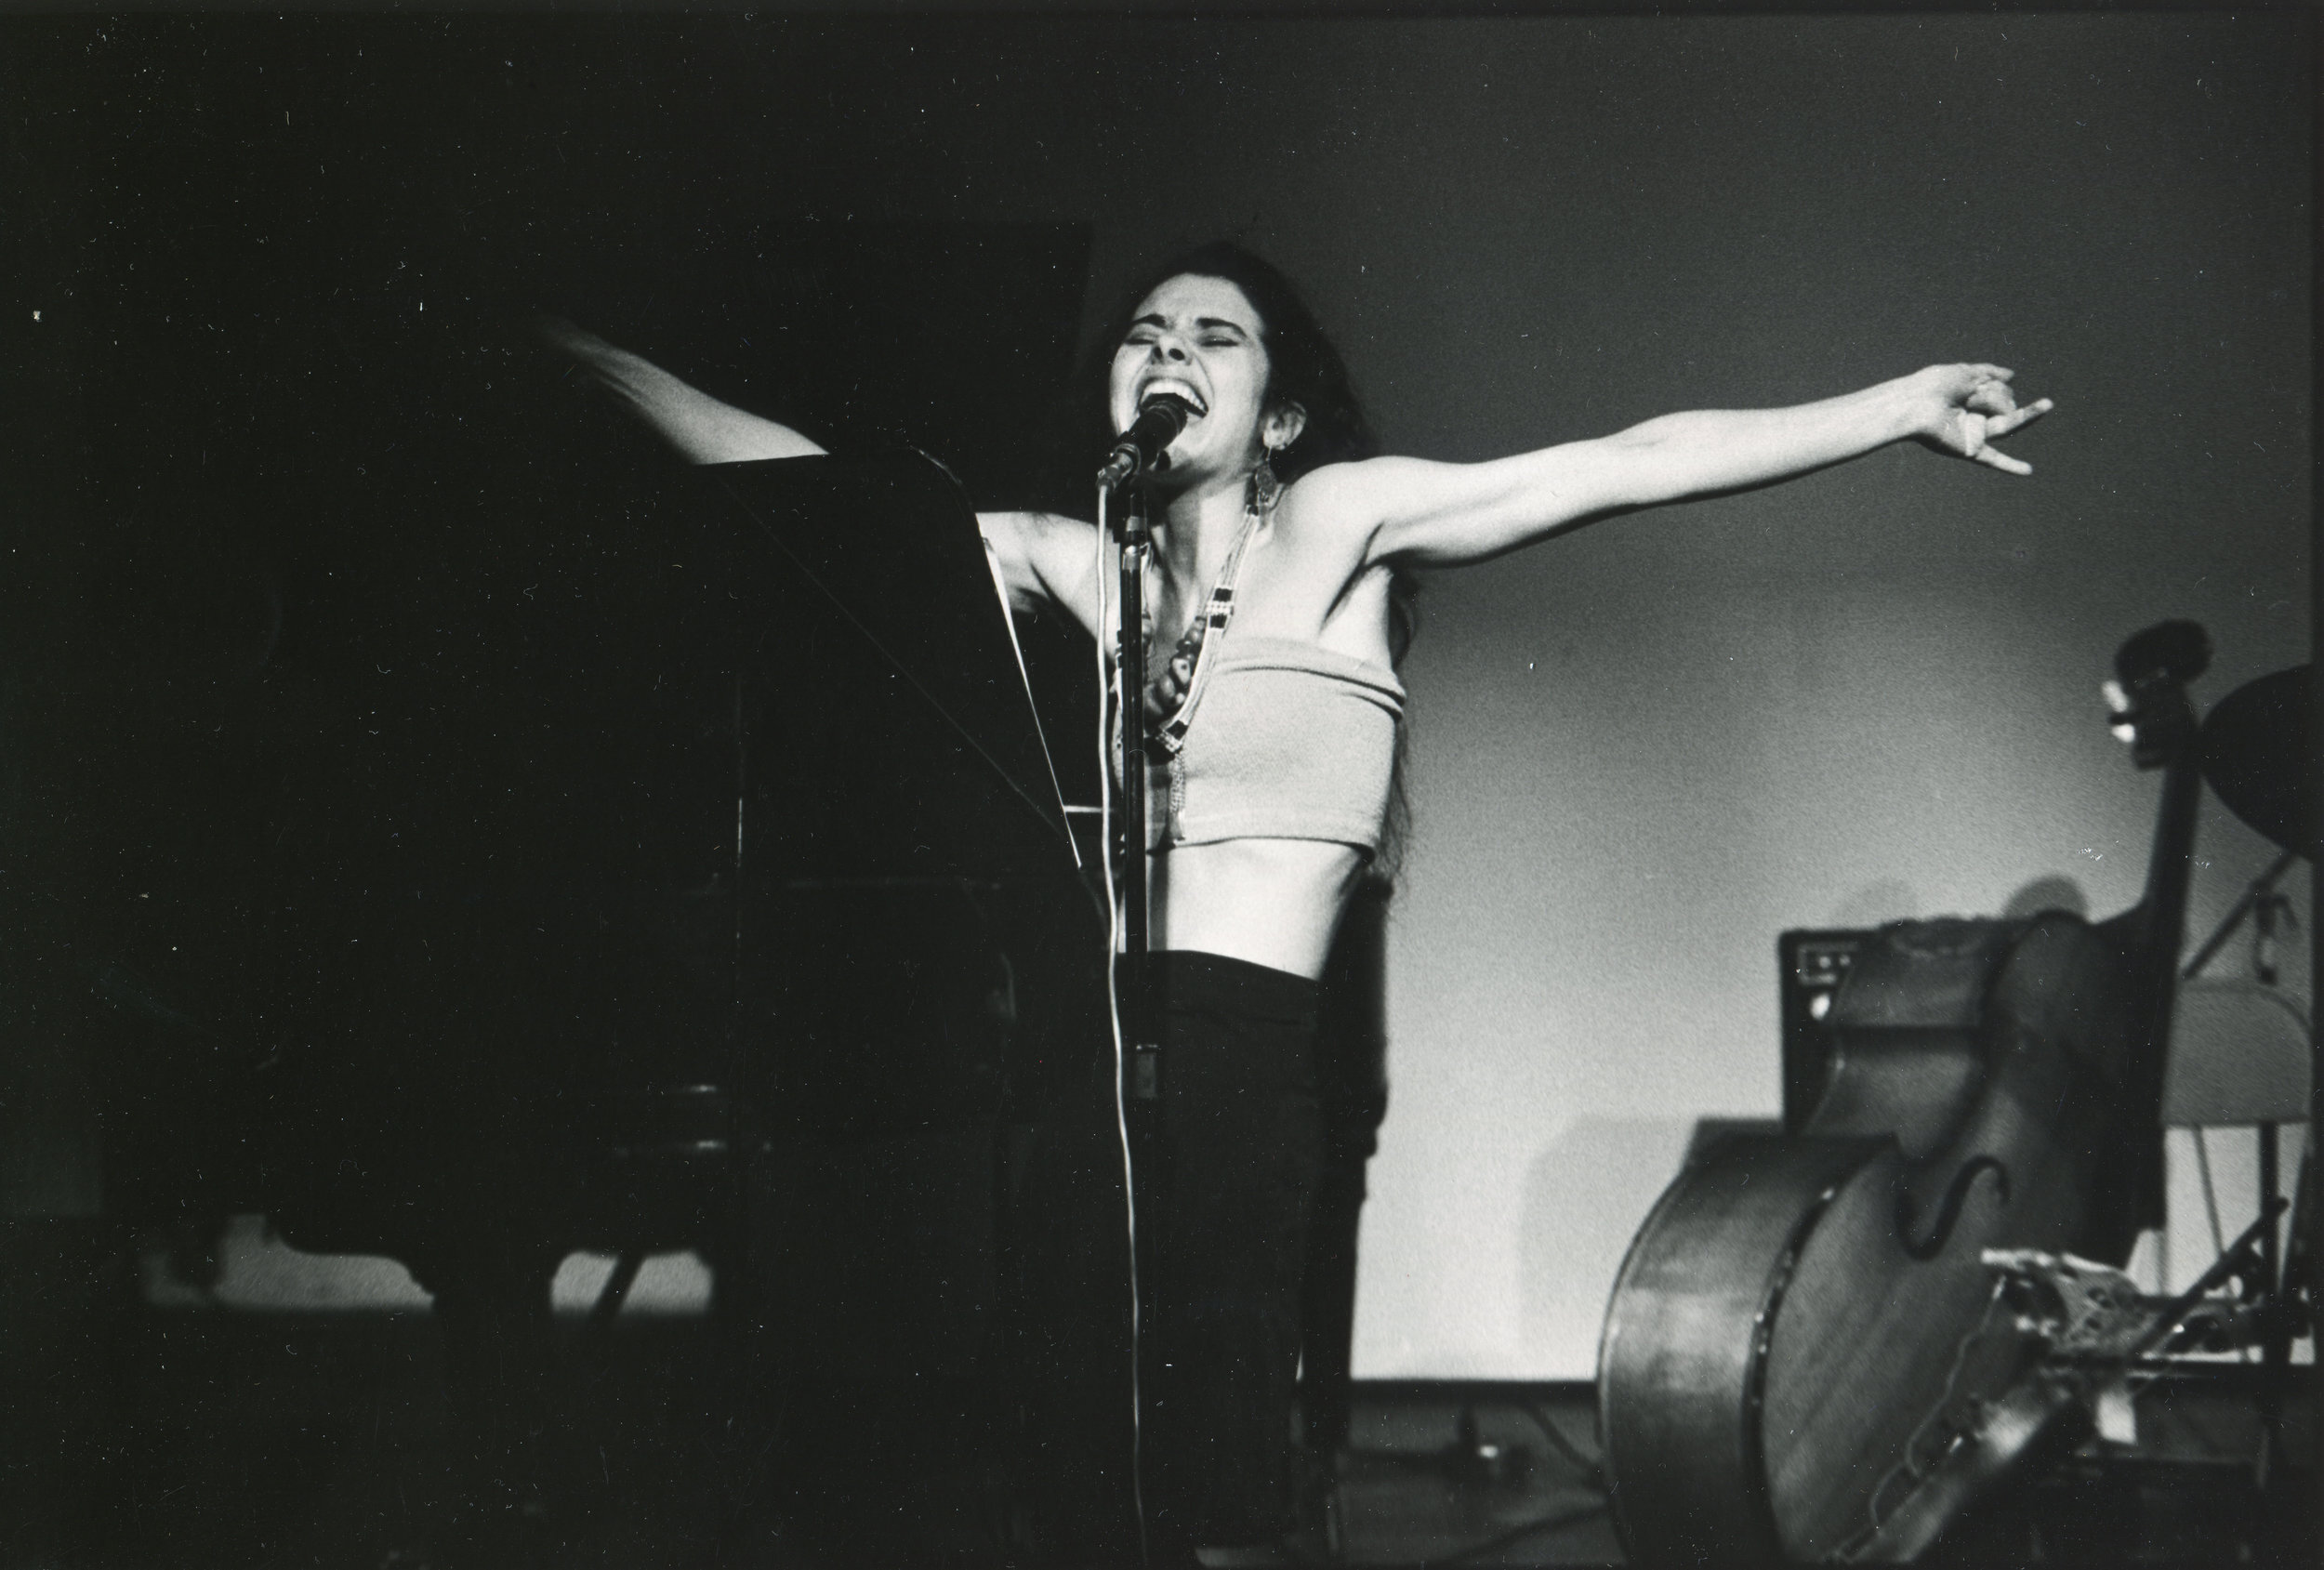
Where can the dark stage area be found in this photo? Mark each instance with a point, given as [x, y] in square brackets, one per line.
[436, 819]
[241, 1439]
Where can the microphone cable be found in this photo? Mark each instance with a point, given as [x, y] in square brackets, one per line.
[1109, 700]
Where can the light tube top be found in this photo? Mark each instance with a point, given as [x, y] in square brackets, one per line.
[1288, 741]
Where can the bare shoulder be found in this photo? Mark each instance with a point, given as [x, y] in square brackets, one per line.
[1332, 513]
[1334, 494]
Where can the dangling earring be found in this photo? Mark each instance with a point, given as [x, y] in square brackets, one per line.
[1260, 500]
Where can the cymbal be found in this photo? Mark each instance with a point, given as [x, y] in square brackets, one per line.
[2259, 756]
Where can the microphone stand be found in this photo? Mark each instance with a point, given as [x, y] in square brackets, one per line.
[1137, 543]
[1140, 450]
[1134, 1013]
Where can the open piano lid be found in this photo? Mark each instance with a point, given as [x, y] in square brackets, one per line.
[909, 746]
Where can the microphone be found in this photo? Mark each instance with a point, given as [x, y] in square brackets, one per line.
[1144, 445]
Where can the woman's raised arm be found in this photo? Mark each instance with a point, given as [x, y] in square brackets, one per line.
[1436, 514]
[1040, 556]
[702, 430]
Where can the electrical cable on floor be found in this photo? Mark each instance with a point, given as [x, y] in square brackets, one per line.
[1588, 1470]
[1591, 1470]
[1523, 1530]
[1452, 1461]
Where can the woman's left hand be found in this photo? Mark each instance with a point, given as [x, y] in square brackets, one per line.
[1967, 407]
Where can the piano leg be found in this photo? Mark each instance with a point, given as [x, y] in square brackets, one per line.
[499, 1352]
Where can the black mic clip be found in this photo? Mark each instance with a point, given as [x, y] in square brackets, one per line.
[1145, 447]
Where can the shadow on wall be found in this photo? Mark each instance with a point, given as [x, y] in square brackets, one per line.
[2048, 893]
[1586, 1195]
[1883, 900]
[1891, 899]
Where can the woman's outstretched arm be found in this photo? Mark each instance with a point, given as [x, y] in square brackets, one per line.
[1446, 514]
[702, 429]
[1042, 558]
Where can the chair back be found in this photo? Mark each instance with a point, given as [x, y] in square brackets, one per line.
[2239, 1055]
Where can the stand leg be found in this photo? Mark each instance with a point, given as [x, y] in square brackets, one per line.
[2276, 1342]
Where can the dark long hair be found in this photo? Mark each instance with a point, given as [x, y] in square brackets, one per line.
[1304, 367]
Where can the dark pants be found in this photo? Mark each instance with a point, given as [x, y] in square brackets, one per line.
[1226, 1159]
[1351, 1065]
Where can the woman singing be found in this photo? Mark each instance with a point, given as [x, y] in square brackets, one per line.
[1280, 602]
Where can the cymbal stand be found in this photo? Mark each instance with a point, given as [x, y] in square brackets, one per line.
[2276, 1302]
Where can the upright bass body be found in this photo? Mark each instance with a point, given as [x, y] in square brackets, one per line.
[1804, 1323]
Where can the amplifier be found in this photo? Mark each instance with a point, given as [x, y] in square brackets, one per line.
[1810, 964]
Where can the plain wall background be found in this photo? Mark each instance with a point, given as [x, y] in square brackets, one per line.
[1639, 752]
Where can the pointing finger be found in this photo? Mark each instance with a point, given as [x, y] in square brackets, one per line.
[2003, 461]
[2002, 425]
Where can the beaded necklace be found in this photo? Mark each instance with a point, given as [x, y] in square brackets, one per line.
[1176, 683]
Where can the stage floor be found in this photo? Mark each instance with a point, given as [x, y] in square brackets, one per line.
[255, 1440]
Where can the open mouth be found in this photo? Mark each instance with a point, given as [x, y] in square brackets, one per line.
[1170, 387]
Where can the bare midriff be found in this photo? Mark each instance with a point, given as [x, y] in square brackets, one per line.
[1270, 902]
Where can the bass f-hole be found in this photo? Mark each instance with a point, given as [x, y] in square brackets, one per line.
[1948, 1208]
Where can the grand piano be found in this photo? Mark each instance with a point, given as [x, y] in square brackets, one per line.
[507, 841]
